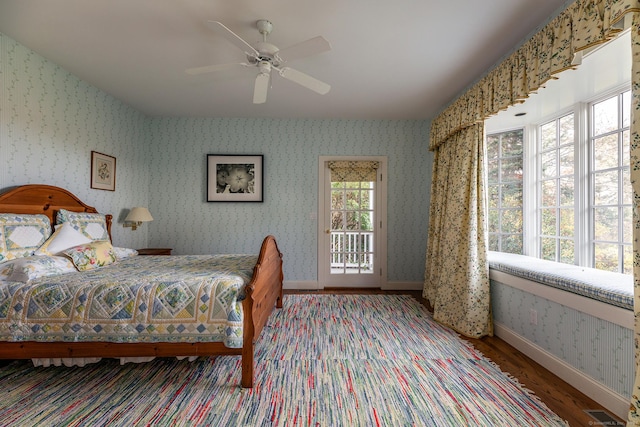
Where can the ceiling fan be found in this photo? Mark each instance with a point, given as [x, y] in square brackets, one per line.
[267, 58]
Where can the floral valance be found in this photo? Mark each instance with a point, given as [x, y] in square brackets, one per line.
[585, 23]
[353, 171]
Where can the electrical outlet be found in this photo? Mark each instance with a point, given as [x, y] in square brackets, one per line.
[533, 317]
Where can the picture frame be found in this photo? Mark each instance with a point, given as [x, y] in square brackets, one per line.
[235, 178]
[103, 171]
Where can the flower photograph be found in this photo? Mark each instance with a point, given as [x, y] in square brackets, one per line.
[234, 178]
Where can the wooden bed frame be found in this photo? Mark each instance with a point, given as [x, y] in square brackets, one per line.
[263, 293]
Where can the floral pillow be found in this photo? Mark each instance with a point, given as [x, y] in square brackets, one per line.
[21, 235]
[92, 255]
[32, 267]
[64, 237]
[92, 225]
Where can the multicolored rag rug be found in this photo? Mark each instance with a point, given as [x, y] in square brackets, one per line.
[323, 360]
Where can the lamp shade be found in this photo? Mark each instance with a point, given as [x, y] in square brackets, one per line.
[139, 214]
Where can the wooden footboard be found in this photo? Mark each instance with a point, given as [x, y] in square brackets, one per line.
[263, 293]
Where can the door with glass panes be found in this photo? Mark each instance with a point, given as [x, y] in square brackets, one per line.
[351, 223]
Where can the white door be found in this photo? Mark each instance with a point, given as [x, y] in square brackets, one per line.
[351, 222]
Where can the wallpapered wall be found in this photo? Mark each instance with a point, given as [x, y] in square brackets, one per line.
[598, 348]
[291, 149]
[50, 121]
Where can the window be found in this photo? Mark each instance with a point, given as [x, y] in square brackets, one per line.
[556, 188]
[582, 212]
[504, 156]
[611, 195]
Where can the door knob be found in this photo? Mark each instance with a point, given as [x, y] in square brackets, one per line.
[328, 231]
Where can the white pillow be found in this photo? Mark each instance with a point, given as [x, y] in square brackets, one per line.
[28, 268]
[64, 237]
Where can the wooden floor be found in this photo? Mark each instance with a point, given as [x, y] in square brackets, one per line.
[563, 399]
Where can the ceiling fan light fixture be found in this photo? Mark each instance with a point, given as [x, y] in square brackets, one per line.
[266, 57]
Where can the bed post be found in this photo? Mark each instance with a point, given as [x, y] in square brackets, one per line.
[248, 331]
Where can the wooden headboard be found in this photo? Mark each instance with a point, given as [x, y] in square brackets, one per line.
[44, 199]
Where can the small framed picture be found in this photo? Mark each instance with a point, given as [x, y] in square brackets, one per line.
[103, 171]
[235, 178]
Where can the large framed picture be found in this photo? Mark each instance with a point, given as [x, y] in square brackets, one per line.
[103, 171]
[235, 178]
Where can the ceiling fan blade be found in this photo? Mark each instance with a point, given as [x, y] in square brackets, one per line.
[238, 41]
[303, 49]
[216, 67]
[260, 88]
[304, 80]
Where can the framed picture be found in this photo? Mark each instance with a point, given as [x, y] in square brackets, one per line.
[235, 178]
[103, 171]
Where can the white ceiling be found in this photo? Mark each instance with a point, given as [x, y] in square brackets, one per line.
[603, 69]
[400, 59]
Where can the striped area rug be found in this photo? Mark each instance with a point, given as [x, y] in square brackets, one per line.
[323, 360]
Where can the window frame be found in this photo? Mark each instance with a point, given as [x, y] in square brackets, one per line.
[583, 178]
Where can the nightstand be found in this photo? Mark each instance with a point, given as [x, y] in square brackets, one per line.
[154, 251]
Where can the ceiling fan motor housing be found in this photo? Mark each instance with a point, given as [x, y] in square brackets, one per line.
[267, 52]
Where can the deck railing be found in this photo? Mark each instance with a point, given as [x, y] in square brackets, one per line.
[352, 250]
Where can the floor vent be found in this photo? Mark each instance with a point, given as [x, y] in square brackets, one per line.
[603, 418]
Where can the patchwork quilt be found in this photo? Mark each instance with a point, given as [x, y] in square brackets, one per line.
[188, 298]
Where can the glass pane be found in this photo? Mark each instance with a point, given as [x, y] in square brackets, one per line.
[352, 220]
[512, 221]
[606, 188]
[492, 169]
[605, 116]
[512, 243]
[566, 160]
[366, 199]
[625, 148]
[512, 143]
[548, 249]
[567, 221]
[627, 255]
[494, 196]
[549, 192]
[606, 256]
[606, 152]
[353, 199]
[566, 127]
[567, 251]
[548, 226]
[606, 224]
[493, 242]
[567, 191]
[366, 221]
[626, 108]
[511, 195]
[627, 224]
[512, 169]
[492, 147]
[337, 222]
[627, 190]
[494, 221]
[337, 199]
[548, 135]
[549, 165]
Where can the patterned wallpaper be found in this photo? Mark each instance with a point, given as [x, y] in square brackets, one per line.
[598, 348]
[50, 121]
[291, 148]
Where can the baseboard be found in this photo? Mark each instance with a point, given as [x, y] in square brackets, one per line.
[301, 285]
[402, 286]
[312, 285]
[614, 402]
